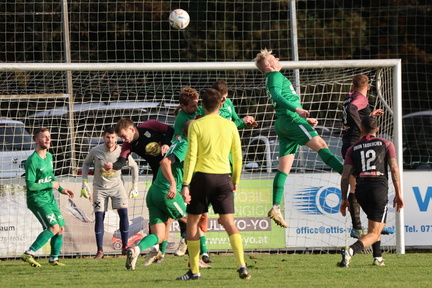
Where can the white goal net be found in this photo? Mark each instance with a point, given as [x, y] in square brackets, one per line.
[78, 101]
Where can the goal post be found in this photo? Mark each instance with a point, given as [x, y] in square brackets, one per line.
[80, 99]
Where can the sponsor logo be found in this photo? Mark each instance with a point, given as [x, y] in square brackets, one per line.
[318, 200]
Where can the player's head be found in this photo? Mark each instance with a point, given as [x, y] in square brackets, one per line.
[126, 130]
[186, 127]
[266, 62]
[222, 87]
[360, 82]
[369, 125]
[211, 100]
[188, 99]
[110, 138]
[42, 137]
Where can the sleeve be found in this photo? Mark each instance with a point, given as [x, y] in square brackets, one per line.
[86, 165]
[276, 95]
[348, 159]
[353, 114]
[118, 165]
[234, 117]
[391, 150]
[135, 169]
[236, 153]
[191, 154]
[276, 83]
[178, 124]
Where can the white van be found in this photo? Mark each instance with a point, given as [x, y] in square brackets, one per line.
[16, 145]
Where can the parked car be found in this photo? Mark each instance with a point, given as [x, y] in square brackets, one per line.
[261, 151]
[16, 145]
[417, 139]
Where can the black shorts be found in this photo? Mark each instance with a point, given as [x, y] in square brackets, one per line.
[214, 189]
[373, 199]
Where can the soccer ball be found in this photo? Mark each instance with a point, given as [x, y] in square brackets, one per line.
[153, 149]
[179, 19]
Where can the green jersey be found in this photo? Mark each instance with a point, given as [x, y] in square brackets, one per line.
[39, 174]
[178, 148]
[227, 111]
[183, 117]
[283, 95]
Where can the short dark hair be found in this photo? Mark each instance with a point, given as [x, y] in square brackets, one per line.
[39, 130]
[221, 86]
[211, 99]
[369, 124]
[109, 130]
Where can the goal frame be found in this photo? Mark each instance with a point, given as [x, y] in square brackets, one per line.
[395, 65]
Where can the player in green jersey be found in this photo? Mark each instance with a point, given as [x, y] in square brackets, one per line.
[188, 109]
[292, 126]
[40, 182]
[162, 199]
[228, 111]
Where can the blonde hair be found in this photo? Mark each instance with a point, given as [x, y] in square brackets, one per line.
[261, 57]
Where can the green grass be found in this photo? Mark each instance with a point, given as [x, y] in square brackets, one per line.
[275, 270]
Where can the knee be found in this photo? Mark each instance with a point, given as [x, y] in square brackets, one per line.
[56, 229]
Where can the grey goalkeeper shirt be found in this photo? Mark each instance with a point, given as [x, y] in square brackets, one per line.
[103, 179]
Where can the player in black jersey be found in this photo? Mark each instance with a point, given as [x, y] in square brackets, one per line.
[368, 160]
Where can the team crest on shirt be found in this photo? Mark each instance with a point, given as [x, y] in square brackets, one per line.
[147, 134]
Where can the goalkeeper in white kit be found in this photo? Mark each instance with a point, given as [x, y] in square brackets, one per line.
[108, 184]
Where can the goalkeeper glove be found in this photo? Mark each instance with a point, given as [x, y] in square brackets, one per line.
[133, 193]
[85, 189]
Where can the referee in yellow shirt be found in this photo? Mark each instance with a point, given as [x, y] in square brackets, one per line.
[207, 168]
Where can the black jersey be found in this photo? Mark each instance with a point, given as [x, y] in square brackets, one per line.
[355, 107]
[149, 131]
[369, 157]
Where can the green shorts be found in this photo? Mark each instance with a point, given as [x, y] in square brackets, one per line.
[48, 215]
[161, 208]
[292, 135]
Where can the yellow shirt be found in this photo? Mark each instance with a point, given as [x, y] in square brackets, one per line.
[210, 141]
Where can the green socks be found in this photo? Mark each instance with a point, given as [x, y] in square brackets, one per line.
[41, 240]
[148, 241]
[278, 187]
[331, 160]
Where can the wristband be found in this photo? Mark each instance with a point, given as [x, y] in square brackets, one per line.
[185, 185]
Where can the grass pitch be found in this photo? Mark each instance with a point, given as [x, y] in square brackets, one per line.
[267, 270]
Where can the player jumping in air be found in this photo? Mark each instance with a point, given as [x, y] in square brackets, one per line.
[292, 126]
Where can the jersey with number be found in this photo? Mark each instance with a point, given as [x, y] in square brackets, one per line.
[369, 157]
[39, 174]
[286, 100]
[355, 107]
[178, 148]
